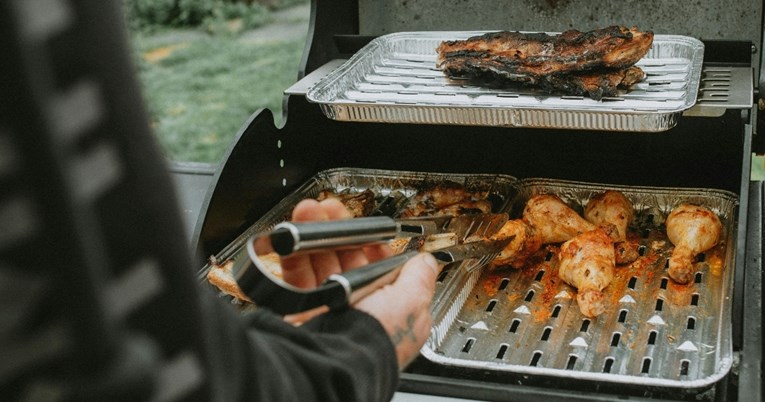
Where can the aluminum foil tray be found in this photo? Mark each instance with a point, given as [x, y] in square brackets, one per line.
[499, 189]
[394, 79]
[655, 334]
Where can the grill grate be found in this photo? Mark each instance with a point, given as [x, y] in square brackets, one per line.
[655, 331]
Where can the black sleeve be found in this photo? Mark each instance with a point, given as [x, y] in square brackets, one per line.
[99, 299]
[339, 356]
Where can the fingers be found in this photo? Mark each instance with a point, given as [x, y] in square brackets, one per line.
[403, 308]
[310, 270]
[298, 269]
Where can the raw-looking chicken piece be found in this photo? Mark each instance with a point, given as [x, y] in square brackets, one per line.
[693, 229]
[553, 220]
[613, 207]
[587, 263]
[520, 248]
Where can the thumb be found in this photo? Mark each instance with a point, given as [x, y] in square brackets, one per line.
[418, 276]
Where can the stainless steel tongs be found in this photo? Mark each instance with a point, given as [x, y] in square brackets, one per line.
[256, 277]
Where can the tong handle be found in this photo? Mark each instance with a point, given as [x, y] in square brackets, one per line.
[369, 273]
[360, 282]
[289, 237]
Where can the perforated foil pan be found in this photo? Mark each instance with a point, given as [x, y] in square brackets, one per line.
[655, 333]
[394, 79]
[498, 188]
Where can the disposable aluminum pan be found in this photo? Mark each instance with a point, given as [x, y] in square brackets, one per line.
[394, 79]
[654, 333]
[498, 188]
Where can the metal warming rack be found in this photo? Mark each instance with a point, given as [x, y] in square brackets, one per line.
[394, 79]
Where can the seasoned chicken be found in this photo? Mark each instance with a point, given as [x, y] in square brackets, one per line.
[692, 229]
[553, 220]
[613, 207]
[360, 204]
[466, 207]
[587, 263]
[521, 247]
[546, 219]
[445, 198]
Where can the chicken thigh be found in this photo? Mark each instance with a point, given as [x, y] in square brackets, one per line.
[587, 262]
[692, 229]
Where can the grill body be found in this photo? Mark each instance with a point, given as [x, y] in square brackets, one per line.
[708, 148]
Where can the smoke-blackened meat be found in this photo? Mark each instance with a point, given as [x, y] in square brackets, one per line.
[596, 85]
[573, 62]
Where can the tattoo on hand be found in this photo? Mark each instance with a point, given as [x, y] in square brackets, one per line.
[402, 333]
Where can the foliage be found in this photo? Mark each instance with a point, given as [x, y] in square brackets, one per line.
[202, 75]
[201, 93]
[150, 15]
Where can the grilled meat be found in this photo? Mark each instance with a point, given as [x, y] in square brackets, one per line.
[610, 207]
[587, 262]
[546, 219]
[525, 243]
[692, 229]
[593, 63]
[360, 204]
[446, 198]
[553, 219]
[595, 84]
[613, 207]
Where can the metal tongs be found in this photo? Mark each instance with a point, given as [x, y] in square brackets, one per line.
[266, 289]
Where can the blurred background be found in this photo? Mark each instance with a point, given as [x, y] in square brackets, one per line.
[206, 65]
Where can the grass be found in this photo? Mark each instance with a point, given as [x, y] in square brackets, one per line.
[200, 88]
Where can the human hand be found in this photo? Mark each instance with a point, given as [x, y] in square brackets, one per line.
[310, 270]
[402, 307]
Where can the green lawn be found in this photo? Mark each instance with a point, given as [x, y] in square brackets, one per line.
[200, 88]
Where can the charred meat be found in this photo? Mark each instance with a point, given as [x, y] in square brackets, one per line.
[446, 198]
[596, 85]
[573, 62]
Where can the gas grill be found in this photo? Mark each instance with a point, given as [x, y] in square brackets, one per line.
[340, 117]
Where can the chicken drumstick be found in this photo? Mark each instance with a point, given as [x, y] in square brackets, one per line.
[546, 219]
[587, 262]
[692, 229]
[613, 207]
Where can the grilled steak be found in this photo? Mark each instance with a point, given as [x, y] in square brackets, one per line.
[564, 62]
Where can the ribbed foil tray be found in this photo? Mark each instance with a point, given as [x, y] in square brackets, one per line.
[394, 79]
[655, 333]
[498, 188]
